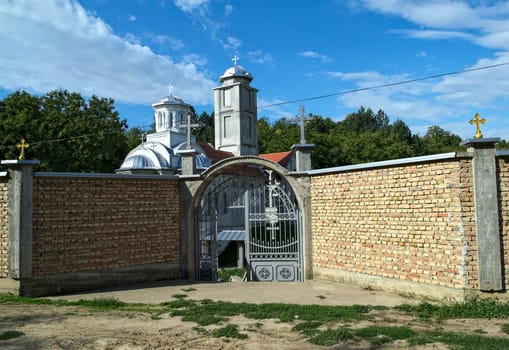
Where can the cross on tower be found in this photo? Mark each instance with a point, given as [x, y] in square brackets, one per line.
[478, 121]
[188, 126]
[235, 59]
[170, 88]
[22, 146]
[301, 119]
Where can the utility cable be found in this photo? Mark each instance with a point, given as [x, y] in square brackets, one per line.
[383, 85]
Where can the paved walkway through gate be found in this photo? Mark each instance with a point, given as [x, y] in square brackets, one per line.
[308, 292]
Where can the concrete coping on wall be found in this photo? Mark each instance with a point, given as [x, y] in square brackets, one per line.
[19, 162]
[503, 153]
[104, 175]
[3, 173]
[392, 162]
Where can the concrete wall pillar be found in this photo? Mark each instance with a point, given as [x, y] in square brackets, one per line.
[188, 161]
[484, 171]
[302, 156]
[20, 217]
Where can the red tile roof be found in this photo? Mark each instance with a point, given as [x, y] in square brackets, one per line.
[281, 158]
[214, 154]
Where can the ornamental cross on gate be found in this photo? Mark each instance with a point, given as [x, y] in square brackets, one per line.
[22, 146]
[188, 126]
[478, 121]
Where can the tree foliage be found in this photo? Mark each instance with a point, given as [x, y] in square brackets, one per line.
[363, 136]
[65, 132]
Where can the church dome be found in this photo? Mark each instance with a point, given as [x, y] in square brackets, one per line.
[154, 157]
[170, 100]
[236, 72]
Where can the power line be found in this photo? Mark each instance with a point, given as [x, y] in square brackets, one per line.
[106, 132]
[384, 85]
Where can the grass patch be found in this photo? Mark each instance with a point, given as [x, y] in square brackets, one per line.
[225, 274]
[178, 303]
[187, 290]
[331, 337]
[179, 296]
[311, 319]
[475, 308]
[377, 335]
[308, 328]
[460, 341]
[97, 303]
[229, 331]
[207, 311]
[10, 335]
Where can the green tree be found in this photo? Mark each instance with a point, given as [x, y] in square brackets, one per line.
[206, 131]
[437, 140]
[503, 144]
[20, 117]
[65, 132]
[365, 120]
[265, 135]
[133, 137]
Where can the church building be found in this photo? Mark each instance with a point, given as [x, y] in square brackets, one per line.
[235, 121]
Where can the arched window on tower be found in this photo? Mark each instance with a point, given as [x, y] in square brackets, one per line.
[159, 119]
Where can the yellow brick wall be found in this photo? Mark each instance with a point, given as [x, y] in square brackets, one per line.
[4, 228]
[87, 224]
[403, 222]
[503, 186]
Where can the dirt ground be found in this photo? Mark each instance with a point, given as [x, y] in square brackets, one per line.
[52, 327]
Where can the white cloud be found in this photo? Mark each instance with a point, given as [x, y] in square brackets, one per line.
[259, 57]
[478, 88]
[59, 45]
[272, 110]
[131, 18]
[421, 54]
[436, 34]
[195, 58]
[167, 40]
[434, 13]
[228, 9]
[190, 5]
[231, 42]
[431, 102]
[315, 55]
[483, 23]
[449, 100]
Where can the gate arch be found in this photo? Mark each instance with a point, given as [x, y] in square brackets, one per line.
[248, 200]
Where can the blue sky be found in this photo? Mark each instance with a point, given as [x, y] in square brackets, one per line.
[131, 50]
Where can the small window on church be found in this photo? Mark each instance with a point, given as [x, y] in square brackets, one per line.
[227, 98]
[227, 125]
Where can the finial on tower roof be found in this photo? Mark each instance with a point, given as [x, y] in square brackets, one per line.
[235, 59]
[170, 88]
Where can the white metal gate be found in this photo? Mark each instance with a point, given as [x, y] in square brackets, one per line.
[266, 213]
[273, 240]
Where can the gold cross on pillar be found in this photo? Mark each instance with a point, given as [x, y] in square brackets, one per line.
[478, 121]
[22, 146]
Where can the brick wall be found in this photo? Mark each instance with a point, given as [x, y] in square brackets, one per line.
[4, 228]
[406, 222]
[87, 223]
[503, 186]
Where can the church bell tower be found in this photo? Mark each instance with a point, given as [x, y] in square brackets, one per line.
[235, 113]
